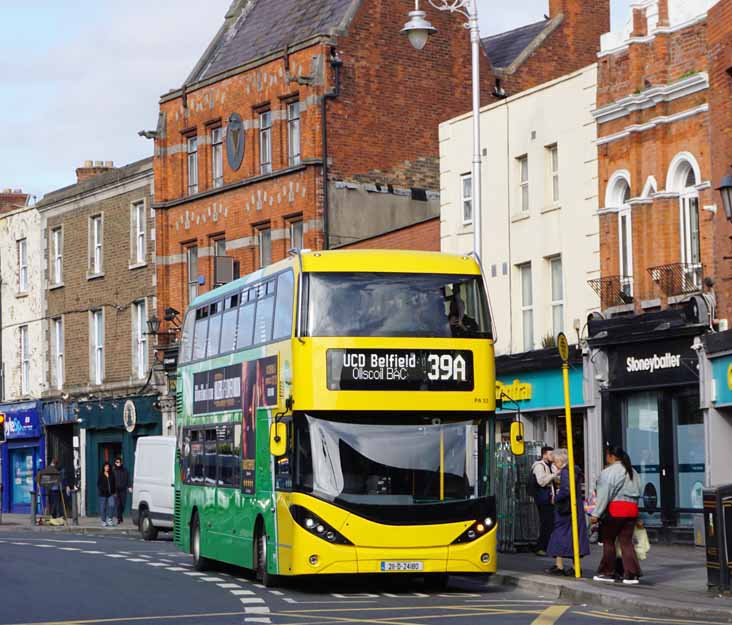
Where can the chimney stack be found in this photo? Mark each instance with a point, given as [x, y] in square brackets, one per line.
[10, 199]
[93, 168]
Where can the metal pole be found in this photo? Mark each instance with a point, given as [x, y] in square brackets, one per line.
[572, 479]
[477, 212]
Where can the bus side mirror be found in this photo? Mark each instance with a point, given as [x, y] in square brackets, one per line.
[278, 439]
[517, 438]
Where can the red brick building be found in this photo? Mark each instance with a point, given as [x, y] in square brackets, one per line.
[314, 123]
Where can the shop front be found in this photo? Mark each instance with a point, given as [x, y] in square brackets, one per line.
[110, 428]
[651, 408]
[22, 454]
[62, 439]
[532, 382]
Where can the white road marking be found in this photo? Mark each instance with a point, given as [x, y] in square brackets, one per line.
[261, 619]
[211, 579]
[67, 542]
[69, 549]
[135, 560]
[250, 600]
[94, 553]
[194, 573]
[47, 546]
[242, 592]
[276, 592]
[228, 585]
[156, 563]
[25, 544]
[114, 555]
[257, 610]
[175, 568]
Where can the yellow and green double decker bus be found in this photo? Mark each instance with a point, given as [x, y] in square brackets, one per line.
[334, 411]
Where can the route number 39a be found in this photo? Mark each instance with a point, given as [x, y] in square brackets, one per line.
[446, 367]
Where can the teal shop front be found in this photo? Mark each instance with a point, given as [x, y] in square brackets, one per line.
[112, 427]
[716, 405]
[533, 383]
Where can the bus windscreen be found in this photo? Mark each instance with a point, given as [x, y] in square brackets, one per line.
[396, 305]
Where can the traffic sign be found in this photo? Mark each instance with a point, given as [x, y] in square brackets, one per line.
[563, 347]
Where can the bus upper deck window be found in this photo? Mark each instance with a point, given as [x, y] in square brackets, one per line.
[186, 348]
[284, 306]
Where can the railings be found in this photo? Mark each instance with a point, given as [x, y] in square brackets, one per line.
[677, 278]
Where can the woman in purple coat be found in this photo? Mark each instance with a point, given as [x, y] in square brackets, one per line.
[560, 544]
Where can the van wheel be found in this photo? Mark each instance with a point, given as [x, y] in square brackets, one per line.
[147, 529]
[199, 562]
[260, 560]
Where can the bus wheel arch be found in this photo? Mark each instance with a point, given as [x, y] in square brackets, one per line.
[259, 554]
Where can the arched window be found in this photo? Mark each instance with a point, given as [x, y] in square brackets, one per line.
[618, 197]
[683, 178]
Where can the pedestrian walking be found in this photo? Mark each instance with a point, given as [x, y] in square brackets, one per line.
[618, 493]
[561, 543]
[543, 474]
[56, 508]
[122, 482]
[106, 490]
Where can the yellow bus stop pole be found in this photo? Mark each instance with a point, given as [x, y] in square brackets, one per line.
[563, 346]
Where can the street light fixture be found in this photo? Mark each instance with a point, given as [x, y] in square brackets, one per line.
[725, 190]
[418, 29]
[153, 325]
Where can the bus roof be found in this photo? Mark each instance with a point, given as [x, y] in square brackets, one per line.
[382, 261]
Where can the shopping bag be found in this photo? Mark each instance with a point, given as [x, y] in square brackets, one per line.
[641, 543]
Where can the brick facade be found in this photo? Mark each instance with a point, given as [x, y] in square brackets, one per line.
[424, 236]
[122, 282]
[654, 125]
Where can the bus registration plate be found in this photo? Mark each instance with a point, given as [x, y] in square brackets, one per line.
[392, 567]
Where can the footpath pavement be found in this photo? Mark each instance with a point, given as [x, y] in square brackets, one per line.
[87, 525]
[674, 584]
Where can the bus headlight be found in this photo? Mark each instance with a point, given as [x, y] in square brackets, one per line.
[316, 526]
[475, 531]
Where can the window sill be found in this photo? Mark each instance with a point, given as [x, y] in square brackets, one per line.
[53, 287]
[519, 217]
[551, 209]
[137, 266]
[21, 294]
[94, 276]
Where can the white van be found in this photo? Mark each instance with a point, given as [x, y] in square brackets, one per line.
[153, 485]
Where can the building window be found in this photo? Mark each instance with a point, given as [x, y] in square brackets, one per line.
[523, 165]
[297, 233]
[264, 240]
[24, 361]
[219, 251]
[527, 307]
[22, 265]
[57, 258]
[265, 142]
[139, 322]
[625, 237]
[57, 351]
[466, 197]
[217, 157]
[192, 151]
[95, 248]
[192, 272]
[96, 333]
[557, 282]
[554, 172]
[293, 133]
[690, 236]
[139, 232]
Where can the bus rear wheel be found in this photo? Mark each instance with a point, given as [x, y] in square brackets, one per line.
[260, 560]
[199, 562]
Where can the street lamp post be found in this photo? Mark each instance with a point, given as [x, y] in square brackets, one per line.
[418, 30]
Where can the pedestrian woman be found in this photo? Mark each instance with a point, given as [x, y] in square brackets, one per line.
[106, 489]
[618, 492]
[561, 544]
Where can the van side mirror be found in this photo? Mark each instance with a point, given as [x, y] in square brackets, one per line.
[278, 439]
[518, 447]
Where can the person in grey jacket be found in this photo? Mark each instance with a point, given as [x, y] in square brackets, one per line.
[618, 493]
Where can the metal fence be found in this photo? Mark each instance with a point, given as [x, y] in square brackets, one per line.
[518, 518]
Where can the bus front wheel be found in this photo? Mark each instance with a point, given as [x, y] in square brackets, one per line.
[199, 562]
[260, 560]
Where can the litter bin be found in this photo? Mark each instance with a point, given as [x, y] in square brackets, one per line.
[718, 530]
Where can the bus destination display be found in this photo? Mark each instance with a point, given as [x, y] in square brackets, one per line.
[400, 370]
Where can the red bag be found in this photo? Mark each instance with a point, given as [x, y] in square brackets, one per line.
[623, 509]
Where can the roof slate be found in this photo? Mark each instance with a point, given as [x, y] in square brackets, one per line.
[504, 48]
[267, 26]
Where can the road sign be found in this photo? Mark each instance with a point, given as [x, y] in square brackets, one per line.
[563, 347]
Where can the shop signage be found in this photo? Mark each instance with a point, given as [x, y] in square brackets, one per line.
[722, 373]
[21, 420]
[399, 370]
[653, 364]
[129, 416]
[517, 391]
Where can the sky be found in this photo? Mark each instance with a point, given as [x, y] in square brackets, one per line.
[80, 78]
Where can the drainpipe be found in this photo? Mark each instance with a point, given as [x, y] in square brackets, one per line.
[335, 63]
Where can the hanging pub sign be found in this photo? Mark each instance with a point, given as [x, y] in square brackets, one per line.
[400, 370]
[652, 364]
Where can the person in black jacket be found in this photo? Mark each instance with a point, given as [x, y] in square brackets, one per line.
[122, 481]
[106, 489]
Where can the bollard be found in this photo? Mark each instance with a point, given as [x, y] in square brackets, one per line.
[34, 503]
[75, 507]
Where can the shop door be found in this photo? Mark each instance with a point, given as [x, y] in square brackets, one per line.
[23, 466]
[688, 457]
